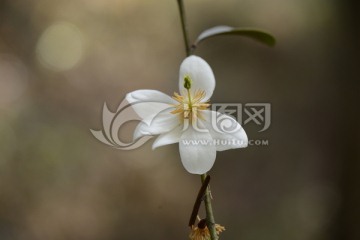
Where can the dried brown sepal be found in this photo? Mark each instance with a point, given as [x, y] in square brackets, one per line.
[201, 231]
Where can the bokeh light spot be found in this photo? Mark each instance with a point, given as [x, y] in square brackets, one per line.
[13, 80]
[60, 47]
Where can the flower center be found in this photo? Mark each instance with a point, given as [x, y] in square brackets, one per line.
[189, 106]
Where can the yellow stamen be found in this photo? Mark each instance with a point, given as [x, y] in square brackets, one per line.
[189, 106]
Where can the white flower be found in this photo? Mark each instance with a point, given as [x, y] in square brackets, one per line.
[186, 119]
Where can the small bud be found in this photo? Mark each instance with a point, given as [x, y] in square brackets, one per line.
[202, 224]
[187, 82]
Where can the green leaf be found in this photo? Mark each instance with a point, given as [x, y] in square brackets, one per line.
[257, 35]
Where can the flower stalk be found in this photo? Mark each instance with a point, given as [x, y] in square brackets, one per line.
[184, 27]
[198, 201]
[210, 219]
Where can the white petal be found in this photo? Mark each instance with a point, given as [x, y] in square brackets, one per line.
[148, 103]
[161, 123]
[197, 151]
[200, 73]
[226, 132]
[168, 138]
[140, 131]
[149, 96]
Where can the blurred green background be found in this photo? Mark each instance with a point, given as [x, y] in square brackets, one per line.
[61, 60]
